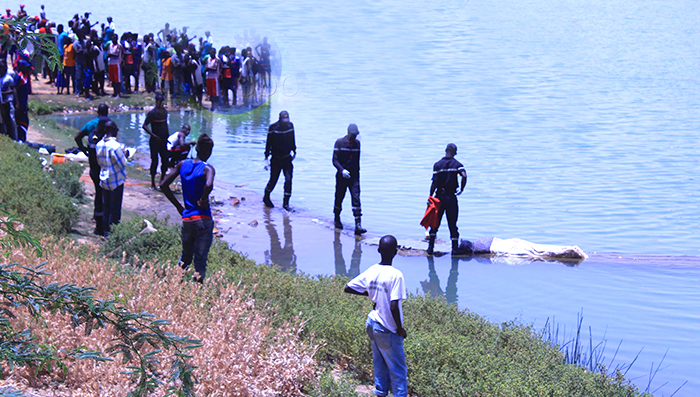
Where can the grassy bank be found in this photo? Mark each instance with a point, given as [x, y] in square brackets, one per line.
[450, 352]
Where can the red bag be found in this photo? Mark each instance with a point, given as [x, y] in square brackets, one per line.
[430, 219]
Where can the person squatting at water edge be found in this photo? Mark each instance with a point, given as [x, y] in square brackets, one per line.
[197, 179]
[444, 186]
[385, 286]
[281, 145]
[346, 159]
[94, 131]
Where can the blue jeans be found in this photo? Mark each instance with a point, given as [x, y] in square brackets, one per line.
[390, 371]
[197, 237]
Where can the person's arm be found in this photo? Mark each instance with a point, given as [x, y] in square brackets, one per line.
[165, 186]
[209, 173]
[79, 139]
[349, 290]
[396, 314]
[146, 127]
[268, 143]
[336, 162]
[433, 188]
[294, 144]
[463, 173]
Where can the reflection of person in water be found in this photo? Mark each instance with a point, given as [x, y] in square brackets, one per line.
[432, 285]
[340, 261]
[283, 257]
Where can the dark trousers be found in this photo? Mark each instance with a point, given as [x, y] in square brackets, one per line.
[112, 207]
[225, 87]
[79, 77]
[7, 112]
[277, 166]
[343, 184]
[197, 237]
[159, 148]
[98, 85]
[449, 206]
[127, 72]
[97, 213]
[68, 76]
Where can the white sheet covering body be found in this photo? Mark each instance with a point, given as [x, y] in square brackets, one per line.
[523, 248]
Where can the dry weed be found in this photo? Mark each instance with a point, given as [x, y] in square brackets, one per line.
[241, 354]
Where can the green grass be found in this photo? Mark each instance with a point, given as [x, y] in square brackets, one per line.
[45, 201]
[450, 352]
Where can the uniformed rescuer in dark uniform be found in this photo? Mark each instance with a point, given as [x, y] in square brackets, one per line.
[282, 146]
[346, 159]
[444, 187]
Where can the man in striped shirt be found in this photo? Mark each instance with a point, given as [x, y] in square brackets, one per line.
[444, 187]
[111, 157]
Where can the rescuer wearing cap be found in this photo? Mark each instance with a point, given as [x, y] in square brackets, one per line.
[444, 187]
[346, 159]
[282, 146]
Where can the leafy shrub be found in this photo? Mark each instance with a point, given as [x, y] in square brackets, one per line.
[66, 177]
[30, 192]
[328, 386]
[124, 239]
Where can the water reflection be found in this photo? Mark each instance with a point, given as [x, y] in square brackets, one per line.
[282, 256]
[355, 259]
[431, 286]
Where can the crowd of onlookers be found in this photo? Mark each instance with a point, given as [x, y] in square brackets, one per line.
[94, 54]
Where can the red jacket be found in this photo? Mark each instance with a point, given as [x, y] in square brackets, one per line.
[430, 219]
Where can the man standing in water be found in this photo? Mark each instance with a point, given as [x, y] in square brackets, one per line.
[197, 179]
[445, 185]
[157, 119]
[282, 146]
[346, 159]
[384, 285]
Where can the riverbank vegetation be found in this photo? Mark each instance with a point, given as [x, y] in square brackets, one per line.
[262, 331]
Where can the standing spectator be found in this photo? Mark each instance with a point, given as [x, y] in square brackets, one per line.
[111, 158]
[384, 285]
[114, 58]
[235, 75]
[80, 49]
[137, 51]
[281, 144]
[213, 67]
[127, 62]
[68, 67]
[156, 125]
[197, 79]
[225, 61]
[7, 102]
[445, 188]
[97, 55]
[167, 81]
[23, 76]
[197, 179]
[346, 159]
[176, 60]
[150, 68]
[94, 131]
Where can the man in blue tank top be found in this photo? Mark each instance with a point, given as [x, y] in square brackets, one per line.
[197, 179]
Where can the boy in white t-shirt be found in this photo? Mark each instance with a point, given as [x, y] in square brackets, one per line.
[384, 285]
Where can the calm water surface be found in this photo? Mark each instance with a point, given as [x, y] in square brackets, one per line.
[576, 122]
